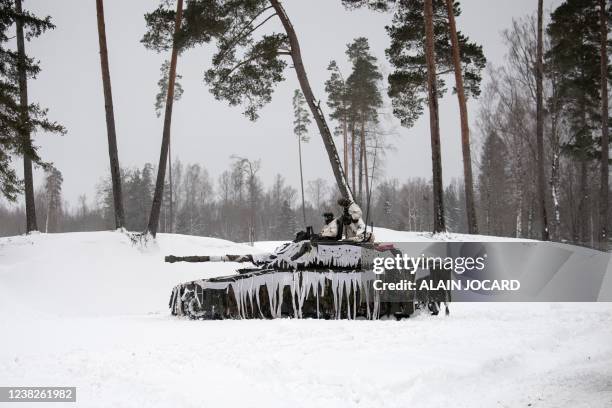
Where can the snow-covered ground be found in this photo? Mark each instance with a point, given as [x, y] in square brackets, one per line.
[90, 310]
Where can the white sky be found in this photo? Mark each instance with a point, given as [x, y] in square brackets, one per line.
[208, 131]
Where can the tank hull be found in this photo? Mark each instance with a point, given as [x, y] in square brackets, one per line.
[269, 294]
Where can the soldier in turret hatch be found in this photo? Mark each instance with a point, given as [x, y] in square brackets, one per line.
[332, 230]
[354, 227]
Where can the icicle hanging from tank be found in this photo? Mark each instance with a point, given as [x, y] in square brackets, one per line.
[302, 286]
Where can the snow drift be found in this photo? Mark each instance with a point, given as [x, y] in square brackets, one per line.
[90, 310]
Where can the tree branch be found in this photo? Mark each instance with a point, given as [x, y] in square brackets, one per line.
[448, 71]
[246, 61]
[242, 34]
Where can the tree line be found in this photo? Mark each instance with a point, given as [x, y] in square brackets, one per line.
[543, 119]
[237, 205]
[556, 185]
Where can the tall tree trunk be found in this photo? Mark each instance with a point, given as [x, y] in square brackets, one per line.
[365, 158]
[171, 186]
[48, 212]
[583, 202]
[315, 109]
[434, 123]
[110, 119]
[353, 161]
[519, 216]
[555, 169]
[345, 139]
[583, 216]
[360, 195]
[465, 127]
[163, 156]
[572, 186]
[605, 154]
[554, 182]
[301, 179]
[545, 233]
[28, 179]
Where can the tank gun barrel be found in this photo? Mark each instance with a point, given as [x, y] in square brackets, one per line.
[218, 258]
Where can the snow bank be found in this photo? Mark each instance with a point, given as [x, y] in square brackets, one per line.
[389, 235]
[100, 273]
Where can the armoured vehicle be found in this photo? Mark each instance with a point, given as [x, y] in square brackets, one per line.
[322, 279]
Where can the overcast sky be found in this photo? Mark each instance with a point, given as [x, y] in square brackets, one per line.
[207, 131]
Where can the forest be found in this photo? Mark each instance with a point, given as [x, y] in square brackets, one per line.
[535, 144]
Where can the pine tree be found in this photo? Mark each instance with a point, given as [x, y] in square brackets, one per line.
[574, 59]
[287, 221]
[355, 103]
[463, 113]
[153, 223]
[417, 23]
[493, 185]
[135, 216]
[539, 69]
[452, 210]
[419, 69]
[365, 100]
[53, 192]
[18, 118]
[245, 69]
[434, 120]
[162, 85]
[300, 129]
[110, 119]
[338, 101]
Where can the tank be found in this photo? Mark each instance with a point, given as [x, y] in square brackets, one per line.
[306, 279]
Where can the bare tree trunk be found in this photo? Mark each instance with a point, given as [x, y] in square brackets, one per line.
[171, 186]
[605, 153]
[317, 113]
[530, 219]
[555, 169]
[583, 216]
[545, 233]
[47, 215]
[360, 195]
[554, 181]
[365, 158]
[301, 179]
[465, 127]
[353, 178]
[163, 157]
[572, 178]
[519, 217]
[345, 139]
[25, 134]
[434, 123]
[110, 119]
[591, 231]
